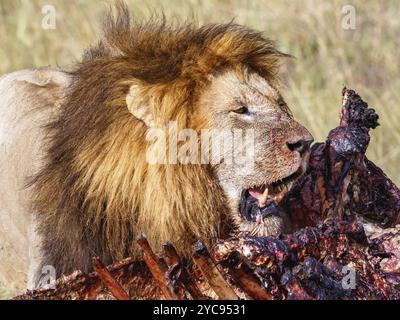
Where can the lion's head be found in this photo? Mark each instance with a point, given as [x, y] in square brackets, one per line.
[98, 190]
[241, 98]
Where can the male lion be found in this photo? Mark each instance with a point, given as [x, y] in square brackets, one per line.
[96, 190]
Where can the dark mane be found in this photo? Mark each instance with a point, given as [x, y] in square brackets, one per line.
[160, 52]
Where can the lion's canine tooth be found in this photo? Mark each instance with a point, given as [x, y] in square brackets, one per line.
[262, 201]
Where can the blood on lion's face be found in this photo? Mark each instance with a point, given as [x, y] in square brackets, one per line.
[273, 147]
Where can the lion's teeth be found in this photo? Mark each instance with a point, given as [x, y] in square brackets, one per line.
[287, 187]
[278, 197]
[262, 201]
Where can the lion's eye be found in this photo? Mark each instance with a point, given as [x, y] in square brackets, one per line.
[241, 110]
[281, 103]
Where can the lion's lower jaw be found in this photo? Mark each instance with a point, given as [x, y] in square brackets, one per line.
[272, 225]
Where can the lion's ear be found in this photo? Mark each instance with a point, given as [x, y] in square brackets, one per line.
[139, 108]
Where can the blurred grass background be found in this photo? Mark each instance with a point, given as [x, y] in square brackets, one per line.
[327, 56]
[4, 293]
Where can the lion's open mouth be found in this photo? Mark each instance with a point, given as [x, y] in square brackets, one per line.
[258, 202]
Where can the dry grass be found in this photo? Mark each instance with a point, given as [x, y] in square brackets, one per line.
[4, 293]
[327, 56]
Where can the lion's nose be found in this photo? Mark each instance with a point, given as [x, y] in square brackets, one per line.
[300, 146]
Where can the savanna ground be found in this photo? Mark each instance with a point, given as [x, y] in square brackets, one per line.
[327, 55]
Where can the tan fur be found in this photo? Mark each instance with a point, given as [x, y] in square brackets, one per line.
[29, 99]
